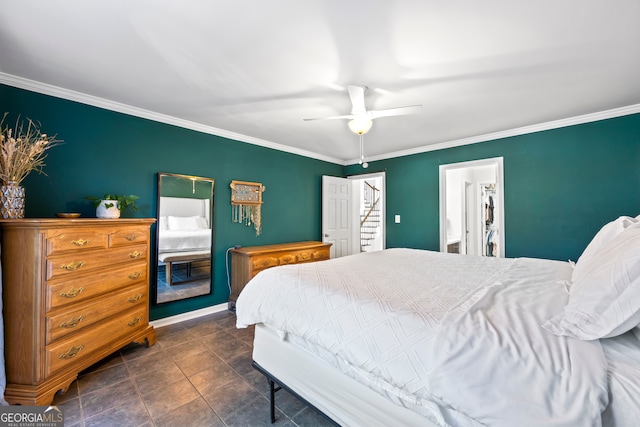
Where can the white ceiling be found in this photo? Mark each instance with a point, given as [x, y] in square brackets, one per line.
[254, 69]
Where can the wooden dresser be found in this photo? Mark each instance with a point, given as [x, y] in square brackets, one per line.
[249, 261]
[74, 291]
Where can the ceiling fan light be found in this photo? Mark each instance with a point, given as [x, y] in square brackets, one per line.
[360, 125]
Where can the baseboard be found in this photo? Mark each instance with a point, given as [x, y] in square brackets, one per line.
[166, 321]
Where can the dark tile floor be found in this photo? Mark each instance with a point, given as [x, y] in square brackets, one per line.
[199, 373]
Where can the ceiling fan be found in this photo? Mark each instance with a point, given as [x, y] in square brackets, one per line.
[361, 119]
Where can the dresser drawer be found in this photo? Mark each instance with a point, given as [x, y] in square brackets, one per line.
[80, 346]
[74, 319]
[288, 258]
[321, 254]
[128, 236]
[78, 290]
[304, 256]
[262, 262]
[68, 265]
[75, 240]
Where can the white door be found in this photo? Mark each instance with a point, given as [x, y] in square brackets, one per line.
[337, 224]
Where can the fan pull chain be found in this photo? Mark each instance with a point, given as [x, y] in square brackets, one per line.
[362, 162]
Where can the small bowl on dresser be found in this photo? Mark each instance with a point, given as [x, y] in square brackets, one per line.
[68, 215]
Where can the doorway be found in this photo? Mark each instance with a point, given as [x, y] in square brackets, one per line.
[353, 213]
[472, 208]
[369, 196]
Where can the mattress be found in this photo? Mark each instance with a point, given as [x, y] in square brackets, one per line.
[350, 403]
[184, 240]
[454, 339]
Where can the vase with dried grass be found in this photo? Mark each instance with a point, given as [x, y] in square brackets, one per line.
[23, 149]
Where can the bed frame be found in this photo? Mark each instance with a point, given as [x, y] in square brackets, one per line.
[276, 385]
[339, 398]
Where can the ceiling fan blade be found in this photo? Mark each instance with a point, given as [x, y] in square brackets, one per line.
[400, 111]
[356, 93]
[349, 116]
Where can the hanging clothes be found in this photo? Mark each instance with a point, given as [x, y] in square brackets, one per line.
[488, 207]
[491, 244]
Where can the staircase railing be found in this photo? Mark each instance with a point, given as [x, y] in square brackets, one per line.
[371, 198]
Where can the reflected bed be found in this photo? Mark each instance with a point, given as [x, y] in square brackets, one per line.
[184, 237]
[183, 225]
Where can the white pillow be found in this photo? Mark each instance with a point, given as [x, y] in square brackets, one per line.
[605, 301]
[607, 233]
[163, 223]
[202, 222]
[185, 223]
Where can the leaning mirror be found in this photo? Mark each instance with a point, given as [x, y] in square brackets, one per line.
[184, 237]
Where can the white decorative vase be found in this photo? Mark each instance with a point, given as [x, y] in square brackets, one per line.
[11, 200]
[108, 212]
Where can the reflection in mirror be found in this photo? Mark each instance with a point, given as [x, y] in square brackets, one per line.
[472, 208]
[184, 237]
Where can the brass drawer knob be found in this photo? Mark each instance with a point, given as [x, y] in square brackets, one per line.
[135, 254]
[72, 323]
[74, 292]
[80, 242]
[73, 351]
[135, 321]
[134, 276]
[135, 299]
[72, 266]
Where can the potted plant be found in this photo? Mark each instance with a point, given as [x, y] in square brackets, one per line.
[110, 205]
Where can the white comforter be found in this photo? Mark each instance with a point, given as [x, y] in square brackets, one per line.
[455, 338]
[623, 360]
[184, 240]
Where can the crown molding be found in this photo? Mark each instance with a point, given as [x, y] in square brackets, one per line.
[70, 95]
[586, 118]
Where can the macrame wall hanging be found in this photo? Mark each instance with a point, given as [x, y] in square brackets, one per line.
[246, 203]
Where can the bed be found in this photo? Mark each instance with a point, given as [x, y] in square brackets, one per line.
[183, 225]
[184, 232]
[413, 337]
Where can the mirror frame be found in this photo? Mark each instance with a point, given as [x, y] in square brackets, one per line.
[191, 181]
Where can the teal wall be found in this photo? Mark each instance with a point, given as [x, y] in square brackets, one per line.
[109, 152]
[561, 186]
